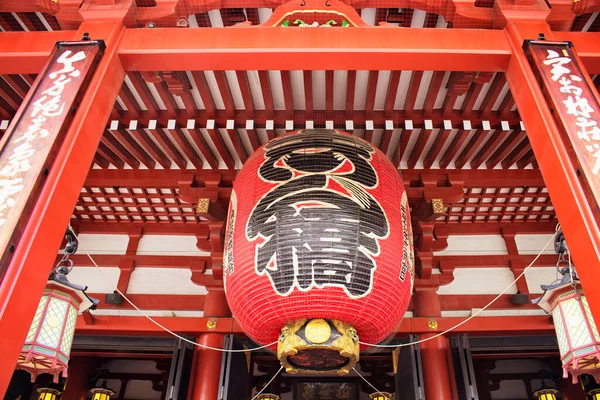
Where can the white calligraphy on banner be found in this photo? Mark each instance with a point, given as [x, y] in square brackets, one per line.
[48, 106]
[585, 116]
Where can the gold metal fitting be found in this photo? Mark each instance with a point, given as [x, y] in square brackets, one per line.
[211, 323]
[202, 206]
[438, 206]
[432, 324]
[318, 346]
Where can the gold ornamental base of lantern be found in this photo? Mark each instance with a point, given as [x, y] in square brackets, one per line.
[318, 346]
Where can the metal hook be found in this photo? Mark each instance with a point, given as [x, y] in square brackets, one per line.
[327, 3]
[303, 3]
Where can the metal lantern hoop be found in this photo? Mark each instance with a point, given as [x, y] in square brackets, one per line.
[48, 342]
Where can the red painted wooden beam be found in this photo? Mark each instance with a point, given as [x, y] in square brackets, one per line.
[552, 153]
[267, 95]
[27, 52]
[587, 45]
[28, 271]
[410, 177]
[350, 89]
[392, 91]
[202, 229]
[192, 302]
[411, 49]
[140, 326]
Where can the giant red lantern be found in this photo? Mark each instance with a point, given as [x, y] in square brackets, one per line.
[318, 248]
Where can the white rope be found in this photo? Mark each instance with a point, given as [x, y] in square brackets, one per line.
[368, 383]
[472, 316]
[153, 320]
[268, 383]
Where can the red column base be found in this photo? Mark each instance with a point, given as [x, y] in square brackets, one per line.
[436, 368]
[208, 367]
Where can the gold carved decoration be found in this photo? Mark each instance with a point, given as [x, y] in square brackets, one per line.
[432, 324]
[337, 340]
[202, 206]
[438, 206]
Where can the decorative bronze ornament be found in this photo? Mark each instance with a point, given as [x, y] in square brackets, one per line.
[432, 324]
[211, 324]
[318, 346]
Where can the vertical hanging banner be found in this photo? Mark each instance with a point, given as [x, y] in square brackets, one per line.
[575, 105]
[32, 140]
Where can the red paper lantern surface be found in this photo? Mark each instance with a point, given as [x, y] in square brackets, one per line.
[318, 227]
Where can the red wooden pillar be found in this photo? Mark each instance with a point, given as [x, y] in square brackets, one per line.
[552, 154]
[435, 352]
[80, 371]
[34, 258]
[208, 362]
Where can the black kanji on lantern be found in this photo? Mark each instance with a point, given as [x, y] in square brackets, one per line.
[320, 227]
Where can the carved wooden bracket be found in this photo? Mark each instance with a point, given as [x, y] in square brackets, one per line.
[198, 269]
[427, 239]
[177, 81]
[126, 266]
[210, 200]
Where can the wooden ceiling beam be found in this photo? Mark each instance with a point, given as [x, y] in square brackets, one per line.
[410, 177]
[151, 147]
[204, 148]
[267, 95]
[458, 140]
[215, 137]
[412, 49]
[474, 144]
[392, 91]
[350, 89]
[207, 99]
[329, 81]
[434, 151]
[371, 92]
[245, 89]
[141, 326]
[225, 91]
[158, 133]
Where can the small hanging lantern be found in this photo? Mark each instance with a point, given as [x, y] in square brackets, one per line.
[268, 396]
[381, 396]
[48, 394]
[576, 331]
[102, 393]
[594, 394]
[48, 342]
[545, 394]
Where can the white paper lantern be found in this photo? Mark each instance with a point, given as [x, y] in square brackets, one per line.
[576, 331]
[48, 343]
